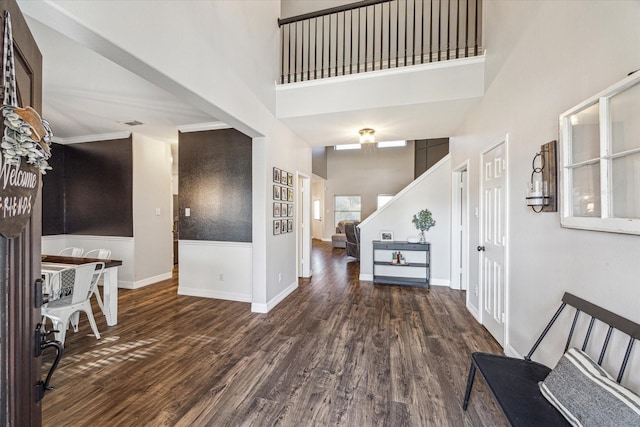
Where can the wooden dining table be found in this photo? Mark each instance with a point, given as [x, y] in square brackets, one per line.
[110, 287]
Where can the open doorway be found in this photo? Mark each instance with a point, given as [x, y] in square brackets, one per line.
[460, 228]
[318, 210]
[303, 240]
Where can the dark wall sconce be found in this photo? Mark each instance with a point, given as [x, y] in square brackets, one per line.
[542, 190]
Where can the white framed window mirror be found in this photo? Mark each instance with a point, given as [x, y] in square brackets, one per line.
[600, 160]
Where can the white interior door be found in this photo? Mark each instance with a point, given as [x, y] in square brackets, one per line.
[493, 241]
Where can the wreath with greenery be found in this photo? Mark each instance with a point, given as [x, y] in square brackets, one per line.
[25, 135]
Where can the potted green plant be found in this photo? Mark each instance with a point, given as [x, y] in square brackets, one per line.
[423, 222]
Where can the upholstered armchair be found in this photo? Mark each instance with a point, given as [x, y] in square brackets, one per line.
[353, 240]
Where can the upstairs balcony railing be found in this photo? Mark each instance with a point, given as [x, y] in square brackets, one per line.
[378, 34]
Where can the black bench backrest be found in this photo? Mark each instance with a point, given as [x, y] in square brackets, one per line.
[614, 321]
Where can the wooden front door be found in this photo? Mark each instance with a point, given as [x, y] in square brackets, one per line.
[20, 370]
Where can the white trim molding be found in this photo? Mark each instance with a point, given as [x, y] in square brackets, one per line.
[512, 352]
[144, 282]
[216, 243]
[473, 311]
[480, 59]
[211, 293]
[199, 127]
[265, 308]
[92, 138]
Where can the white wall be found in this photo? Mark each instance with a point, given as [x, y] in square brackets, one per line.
[366, 172]
[215, 269]
[122, 248]
[543, 58]
[285, 152]
[447, 81]
[291, 8]
[206, 36]
[152, 211]
[432, 190]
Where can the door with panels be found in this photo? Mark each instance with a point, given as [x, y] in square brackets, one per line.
[493, 240]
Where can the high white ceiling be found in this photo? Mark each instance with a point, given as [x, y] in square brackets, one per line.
[86, 94]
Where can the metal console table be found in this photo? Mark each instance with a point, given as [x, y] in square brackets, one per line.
[415, 271]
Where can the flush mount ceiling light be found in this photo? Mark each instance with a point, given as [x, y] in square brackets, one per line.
[367, 136]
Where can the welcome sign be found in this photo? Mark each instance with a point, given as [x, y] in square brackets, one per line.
[19, 187]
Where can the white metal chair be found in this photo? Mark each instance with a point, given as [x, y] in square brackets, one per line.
[57, 280]
[71, 251]
[100, 254]
[61, 310]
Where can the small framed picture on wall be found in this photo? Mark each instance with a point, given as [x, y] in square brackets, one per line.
[290, 225]
[290, 180]
[276, 209]
[284, 227]
[276, 175]
[276, 192]
[276, 226]
[283, 178]
[386, 236]
[289, 210]
[283, 209]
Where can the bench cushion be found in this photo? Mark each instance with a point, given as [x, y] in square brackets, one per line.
[514, 384]
[587, 395]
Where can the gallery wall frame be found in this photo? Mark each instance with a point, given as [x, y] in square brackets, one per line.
[283, 201]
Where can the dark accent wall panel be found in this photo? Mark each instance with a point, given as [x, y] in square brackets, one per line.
[53, 194]
[98, 187]
[428, 152]
[215, 184]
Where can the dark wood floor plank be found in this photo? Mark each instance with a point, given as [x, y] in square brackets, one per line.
[337, 351]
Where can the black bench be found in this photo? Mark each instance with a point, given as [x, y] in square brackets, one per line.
[514, 382]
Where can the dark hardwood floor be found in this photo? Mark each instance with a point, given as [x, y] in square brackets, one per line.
[337, 351]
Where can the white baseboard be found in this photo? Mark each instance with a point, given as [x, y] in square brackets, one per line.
[474, 312]
[366, 277]
[440, 282]
[144, 282]
[211, 293]
[265, 308]
[511, 352]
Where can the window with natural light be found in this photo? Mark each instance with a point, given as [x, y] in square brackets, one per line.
[347, 208]
[316, 210]
[600, 143]
[389, 144]
[383, 199]
[347, 147]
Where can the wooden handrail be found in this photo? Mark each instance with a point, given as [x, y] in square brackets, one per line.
[329, 11]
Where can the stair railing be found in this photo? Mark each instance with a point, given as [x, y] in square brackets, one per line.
[374, 35]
